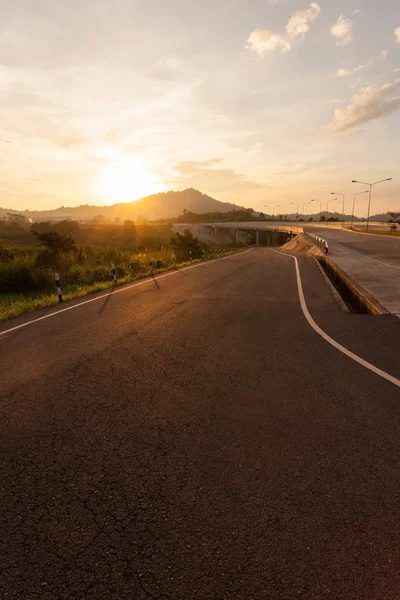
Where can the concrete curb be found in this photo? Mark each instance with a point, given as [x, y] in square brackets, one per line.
[365, 301]
[334, 291]
[359, 297]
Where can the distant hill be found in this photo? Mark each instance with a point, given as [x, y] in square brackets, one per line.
[158, 206]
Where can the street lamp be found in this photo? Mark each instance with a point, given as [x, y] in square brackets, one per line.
[339, 194]
[320, 209]
[304, 204]
[354, 205]
[269, 208]
[327, 206]
[370, 193]
[273, 210]
[295, 204]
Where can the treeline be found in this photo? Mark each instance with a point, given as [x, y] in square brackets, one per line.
[128, 235]
[245, 214]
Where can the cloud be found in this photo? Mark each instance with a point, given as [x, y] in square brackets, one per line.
[397, 34]
[346, 72]
[335, 101]
[202, 175]
[356, 11]
[298, 24]
[263, 41]
[370, 104]
[342, 30]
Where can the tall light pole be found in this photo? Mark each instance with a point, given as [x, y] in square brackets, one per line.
[273, 210]
[320, 209]
[304, 204]
[327, 207]
[295, 204]
[339, 194]
[354, 205]
[269, 208]
[370, 193]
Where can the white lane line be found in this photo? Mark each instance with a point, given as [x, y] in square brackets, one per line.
[330, 340]
[364, 255]
[117, 291]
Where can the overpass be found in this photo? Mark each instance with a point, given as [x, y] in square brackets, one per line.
[253, 232]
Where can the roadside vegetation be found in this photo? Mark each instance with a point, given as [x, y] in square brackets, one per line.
[27, 272]
[377, 232]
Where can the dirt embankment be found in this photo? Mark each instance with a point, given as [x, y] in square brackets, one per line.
[302, 244]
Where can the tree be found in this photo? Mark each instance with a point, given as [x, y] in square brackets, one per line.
[394, 214]
[323, 218]
[182, 244]
[56, 242]
[310, 219]
[16, 218]
[5, 254]
[262, 216]
[130, 232]
[68, 225]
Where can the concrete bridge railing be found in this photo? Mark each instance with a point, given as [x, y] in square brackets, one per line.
[318, 241]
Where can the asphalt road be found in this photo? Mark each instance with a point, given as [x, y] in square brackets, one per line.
[379, 247]
[194, 437]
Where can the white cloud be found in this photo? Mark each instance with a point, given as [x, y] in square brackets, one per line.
[370, 104]
[263, 41]
[397, 34]
[356, 11]
[346, 72]
[342, 30]
[298, 24]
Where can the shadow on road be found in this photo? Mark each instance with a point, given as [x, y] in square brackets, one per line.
[106, 301]
[156, 282]
[181, 273]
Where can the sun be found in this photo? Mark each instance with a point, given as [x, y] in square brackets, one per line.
[126, 182]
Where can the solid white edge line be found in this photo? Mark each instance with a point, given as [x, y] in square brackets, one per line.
[327, 338]
[117, 291]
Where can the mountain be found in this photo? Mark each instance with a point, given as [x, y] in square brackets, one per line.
[158, 206]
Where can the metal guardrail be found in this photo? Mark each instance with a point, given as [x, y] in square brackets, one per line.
[318, 241]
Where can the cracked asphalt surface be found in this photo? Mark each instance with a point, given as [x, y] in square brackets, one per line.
[198, 439]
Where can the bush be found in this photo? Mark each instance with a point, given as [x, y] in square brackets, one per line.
[23, 276]
[46, 258]
[6, 255]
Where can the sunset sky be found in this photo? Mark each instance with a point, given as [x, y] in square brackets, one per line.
[257, 102]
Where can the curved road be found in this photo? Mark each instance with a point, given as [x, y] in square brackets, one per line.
[194, 437]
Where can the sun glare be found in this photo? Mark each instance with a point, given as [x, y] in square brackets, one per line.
[126, 182]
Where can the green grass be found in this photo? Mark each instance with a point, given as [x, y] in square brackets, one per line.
[14, 305]
[377, 232]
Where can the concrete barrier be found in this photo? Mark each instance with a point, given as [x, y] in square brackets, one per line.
[318, 241]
